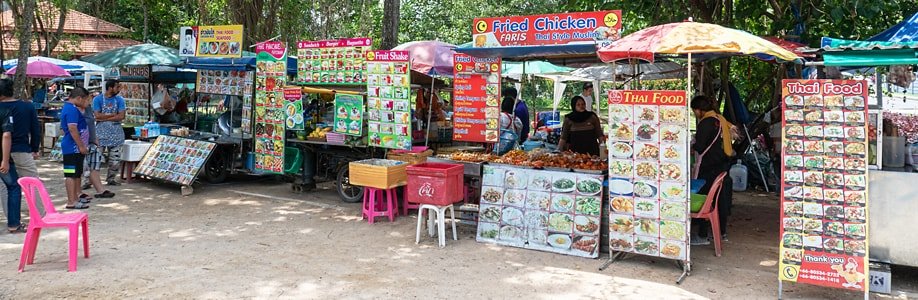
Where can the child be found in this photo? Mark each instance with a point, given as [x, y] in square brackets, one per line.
[74, 144]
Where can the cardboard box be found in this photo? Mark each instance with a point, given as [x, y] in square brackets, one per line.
[378, 173]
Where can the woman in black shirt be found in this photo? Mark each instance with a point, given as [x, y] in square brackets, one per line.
[713, 144]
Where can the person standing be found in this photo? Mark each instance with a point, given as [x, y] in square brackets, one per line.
[520, 111]
[713, 145]
[93, 162]
[73, 144]
[26, 131]
[587, 95]
[581, 131]
[109, 110]
[13, 200]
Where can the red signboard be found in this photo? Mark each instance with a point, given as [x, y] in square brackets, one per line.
[293, 93]
[551, 29]
[638, 97]
[824, 183]
[476, 98]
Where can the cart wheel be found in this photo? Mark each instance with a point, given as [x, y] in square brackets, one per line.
[215, 169]
[348, 193]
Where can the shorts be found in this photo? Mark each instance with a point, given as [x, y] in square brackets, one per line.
[93, 161]
[73, 165]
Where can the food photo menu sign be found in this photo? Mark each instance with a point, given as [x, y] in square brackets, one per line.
[476, 98]
[824, 186]
[270, 115]
[175, 159]
[388, 99]
[543, 210]
[332, 62]
[136, 102]
[648, 173]
[349, 114]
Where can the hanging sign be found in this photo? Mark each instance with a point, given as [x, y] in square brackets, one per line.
[349, 114]
[648, 173]
[476, 98]
[388, 99]
[332, 62]
[270, 116]
[293, 108]
[211, 41]
[552, 29]
[824, 190]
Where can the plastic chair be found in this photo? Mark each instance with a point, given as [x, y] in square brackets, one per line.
[440, 222]
[379, 203]
[51, 219]
[709, 211]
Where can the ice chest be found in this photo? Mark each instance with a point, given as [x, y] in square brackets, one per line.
[377, 173]
[134, 150]
[434, 183]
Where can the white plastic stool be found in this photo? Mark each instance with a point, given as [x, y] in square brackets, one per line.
[440, 222]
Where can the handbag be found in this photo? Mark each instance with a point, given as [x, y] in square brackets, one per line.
[696, 167]
[508, 139]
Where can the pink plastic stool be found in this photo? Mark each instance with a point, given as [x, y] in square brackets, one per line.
[405, 205]
[72, 221]
[379, 203]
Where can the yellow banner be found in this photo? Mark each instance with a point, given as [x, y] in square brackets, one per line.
[219, 41]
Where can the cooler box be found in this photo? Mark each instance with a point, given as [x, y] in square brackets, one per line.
[434, 183]
[53, 129]
[377, 173]
[134, 150]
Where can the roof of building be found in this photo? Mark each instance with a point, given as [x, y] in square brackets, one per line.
[75, 23]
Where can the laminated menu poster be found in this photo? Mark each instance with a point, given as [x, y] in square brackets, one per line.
[476, 99]
[388, 99]
[175, 159]
[824, 188]
[332, 62]
[649, 173]
[349, 114]
[136, 102]
[542, 210]
[247, 104]
[224, 82]
[293, 108]
[270, 79]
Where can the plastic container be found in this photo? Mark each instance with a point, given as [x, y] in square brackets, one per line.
[740, 176]
[134, 150]
[893, 151]
[293, 159]
[434, 183]
[377, 173]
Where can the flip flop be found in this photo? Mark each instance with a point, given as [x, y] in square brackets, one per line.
[20, 229]
[105, 194]
[78, 205]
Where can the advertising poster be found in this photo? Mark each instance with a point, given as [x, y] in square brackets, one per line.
[136, 102]
[217, 41]
[476, 99]
[270, 79]
[552, 29]
[175, 159]
[332, 62]
[543, 210]
[388, 99]
[649, 173]
[824, 188]
[247, 103]
[349, 114]
[224, 82]
[188, 41]
[293, 108]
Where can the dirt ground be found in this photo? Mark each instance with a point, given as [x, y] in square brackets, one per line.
[255, 239]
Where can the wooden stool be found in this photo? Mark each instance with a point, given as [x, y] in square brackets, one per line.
[127, 167]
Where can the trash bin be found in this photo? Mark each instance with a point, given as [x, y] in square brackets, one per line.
[434, 183]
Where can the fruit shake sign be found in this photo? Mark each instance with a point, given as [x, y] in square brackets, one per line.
[553, 29]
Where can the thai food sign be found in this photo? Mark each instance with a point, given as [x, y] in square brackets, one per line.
[552, 29]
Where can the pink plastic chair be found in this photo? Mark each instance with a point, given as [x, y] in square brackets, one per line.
[709, 211]
[379, 203]
[51, 219]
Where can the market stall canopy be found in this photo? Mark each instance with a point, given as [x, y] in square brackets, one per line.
[70, 66]
[143, 54]
[795, 47]
[432, 58]
[41, 69]
[567, 54]
[848, 53]
[905, 31]
[647, 71]
[245, 63]
[511, 68]
[704, 41]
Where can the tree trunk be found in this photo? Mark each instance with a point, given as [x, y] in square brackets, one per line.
[389, 24]
[56, 37]
[25, 42]
[146, 22]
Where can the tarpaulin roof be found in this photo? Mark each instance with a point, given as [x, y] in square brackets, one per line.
[551, 53]
[231, 64]
[143, 54]
[905, 31]
[848, 53]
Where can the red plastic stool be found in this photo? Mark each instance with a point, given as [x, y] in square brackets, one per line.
[379, 203]
[127, 167]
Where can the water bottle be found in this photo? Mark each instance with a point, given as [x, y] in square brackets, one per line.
[740, 175]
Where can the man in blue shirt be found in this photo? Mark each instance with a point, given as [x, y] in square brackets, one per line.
[74, 144]
[520, 111]
[109, 110]
[13, 201]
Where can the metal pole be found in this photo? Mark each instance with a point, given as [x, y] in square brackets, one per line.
[430, 110]
[689, 91]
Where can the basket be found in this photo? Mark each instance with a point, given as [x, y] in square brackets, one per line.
[293, 159]
[315, 139]
[377, 173]
[335, 138]
[412, 157]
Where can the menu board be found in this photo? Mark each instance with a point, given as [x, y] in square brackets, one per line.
[293, 108]
[224, 82]
[270, 79]
[349, 114]
[388, 99]
[219, 41]
[824, 188]
[175, 159]
[247, 101]
[600, 27]
[332, 62]
[136, 102]
[476, 98]
[542, 210]
[648, 173]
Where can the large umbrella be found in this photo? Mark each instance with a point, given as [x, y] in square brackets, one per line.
[143, 54]
[510, 68]
[649, 71]
[701, 40]
[432, 58]
[41, 69]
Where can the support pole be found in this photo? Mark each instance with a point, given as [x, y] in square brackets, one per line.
[433, 80]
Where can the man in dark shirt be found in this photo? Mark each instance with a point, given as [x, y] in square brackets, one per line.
[26, 133]
[12, 203]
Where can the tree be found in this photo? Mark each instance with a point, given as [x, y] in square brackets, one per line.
[390, 24]
[43, 17]
[23, 10]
